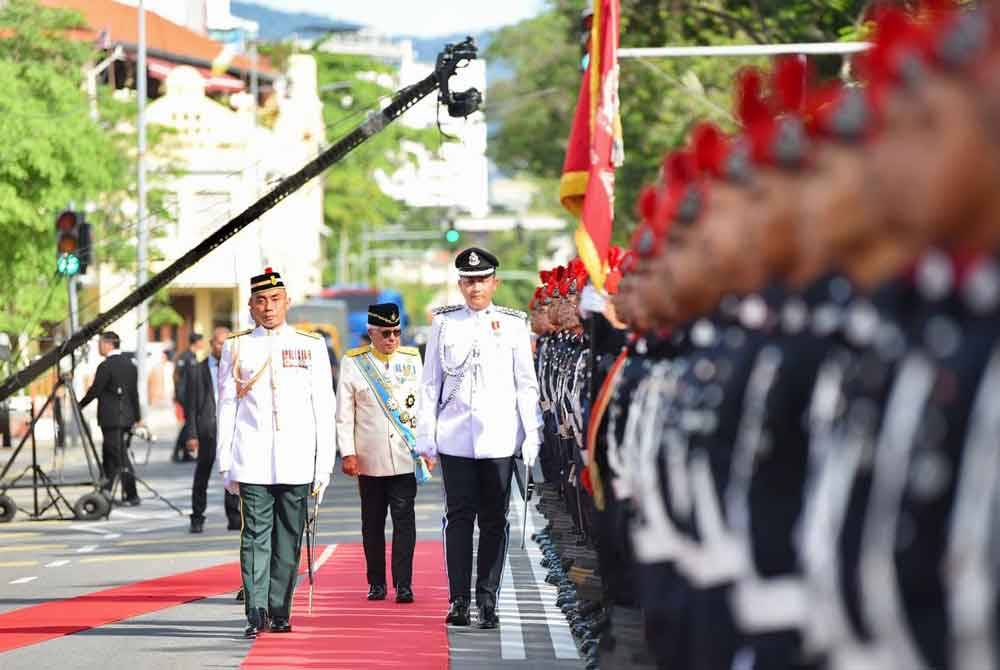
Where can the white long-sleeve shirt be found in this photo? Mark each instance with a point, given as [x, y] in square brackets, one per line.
[285, 422]
[478, 392]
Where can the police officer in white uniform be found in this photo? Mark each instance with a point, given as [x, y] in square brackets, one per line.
[376, 420]
[478, 405]
[276, 445]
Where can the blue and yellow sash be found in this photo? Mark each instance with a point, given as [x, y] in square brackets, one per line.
[390, 407]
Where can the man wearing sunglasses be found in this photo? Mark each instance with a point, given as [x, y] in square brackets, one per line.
[478, 404]
[376, 420]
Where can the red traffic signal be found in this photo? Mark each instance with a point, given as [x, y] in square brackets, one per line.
[67, 232]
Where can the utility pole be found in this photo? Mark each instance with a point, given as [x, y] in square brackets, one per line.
[142, 313]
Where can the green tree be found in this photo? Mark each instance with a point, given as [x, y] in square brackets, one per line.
[660, 99]
[51, 154]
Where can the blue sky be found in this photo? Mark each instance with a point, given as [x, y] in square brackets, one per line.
[418, 17]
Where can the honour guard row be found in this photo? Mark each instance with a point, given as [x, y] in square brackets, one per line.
[774, 440]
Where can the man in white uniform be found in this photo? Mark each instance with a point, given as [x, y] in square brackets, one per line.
[478, 404]
[276, 444]
[376, 419]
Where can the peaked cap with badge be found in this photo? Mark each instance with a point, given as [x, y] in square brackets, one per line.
[476, 262]
[266, 281]
[383, 315]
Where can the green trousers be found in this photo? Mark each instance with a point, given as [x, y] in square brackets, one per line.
[274, 516]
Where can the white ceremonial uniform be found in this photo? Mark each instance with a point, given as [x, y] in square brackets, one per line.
[284, 420]
[479, 393]
[363, 429]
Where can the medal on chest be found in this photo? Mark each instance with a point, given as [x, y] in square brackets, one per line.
[296, 358]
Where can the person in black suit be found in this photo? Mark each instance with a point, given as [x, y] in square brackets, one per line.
[116, 388]
[183, 381]
[202, 391]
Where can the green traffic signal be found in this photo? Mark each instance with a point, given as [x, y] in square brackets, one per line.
[451, 236]
[68, 264]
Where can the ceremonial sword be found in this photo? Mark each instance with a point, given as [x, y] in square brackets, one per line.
[310, 541]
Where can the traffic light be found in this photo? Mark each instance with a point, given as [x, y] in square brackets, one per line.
[452, 235]
[72, 243]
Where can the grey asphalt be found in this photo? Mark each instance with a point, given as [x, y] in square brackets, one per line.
[52, 560]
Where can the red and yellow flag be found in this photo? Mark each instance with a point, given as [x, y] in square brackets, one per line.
[587, 188]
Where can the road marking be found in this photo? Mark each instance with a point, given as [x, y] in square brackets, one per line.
[57, 564]
[17, 564]
[327, 553]
[22, 580]
[235, 538]
[18, 536]
[93, 529]
[30, 547]
[511, 634]
[562, 640]
[144, 557]
[87, 549]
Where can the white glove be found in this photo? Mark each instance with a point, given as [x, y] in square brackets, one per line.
[319, 488]
[530, 447]
[229, 484]
[591, 301]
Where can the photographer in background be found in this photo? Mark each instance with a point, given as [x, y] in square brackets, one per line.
[183, 372]
[117, 392]
[200, 411]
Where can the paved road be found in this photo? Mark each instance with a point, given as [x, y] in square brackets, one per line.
[42, 562]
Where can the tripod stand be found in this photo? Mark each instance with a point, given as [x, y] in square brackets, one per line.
[90, 506]
[124, 468]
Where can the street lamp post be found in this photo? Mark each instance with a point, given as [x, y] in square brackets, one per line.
[142, 313]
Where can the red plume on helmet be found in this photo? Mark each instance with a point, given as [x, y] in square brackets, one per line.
[788, 83]
[751, 108]
[615, 257]
[646, 203]
[679, 173]
[710, 147]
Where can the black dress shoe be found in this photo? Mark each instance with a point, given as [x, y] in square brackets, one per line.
[488, 617]
[197, 524]
[133, 502]
[458, 613]
[404, 595]
[280, 624]
[240, 595]
[376, 592]
[257, 622]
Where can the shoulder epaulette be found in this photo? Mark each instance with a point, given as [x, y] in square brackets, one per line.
[446, 310]
[512, 312]
[409, 351]
[241, 333]
[357, 351]
[315, 336]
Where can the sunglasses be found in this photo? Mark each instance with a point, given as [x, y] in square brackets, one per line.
[390, 333]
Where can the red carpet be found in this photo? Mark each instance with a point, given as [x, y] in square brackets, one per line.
[346, 631]
[31, 625]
